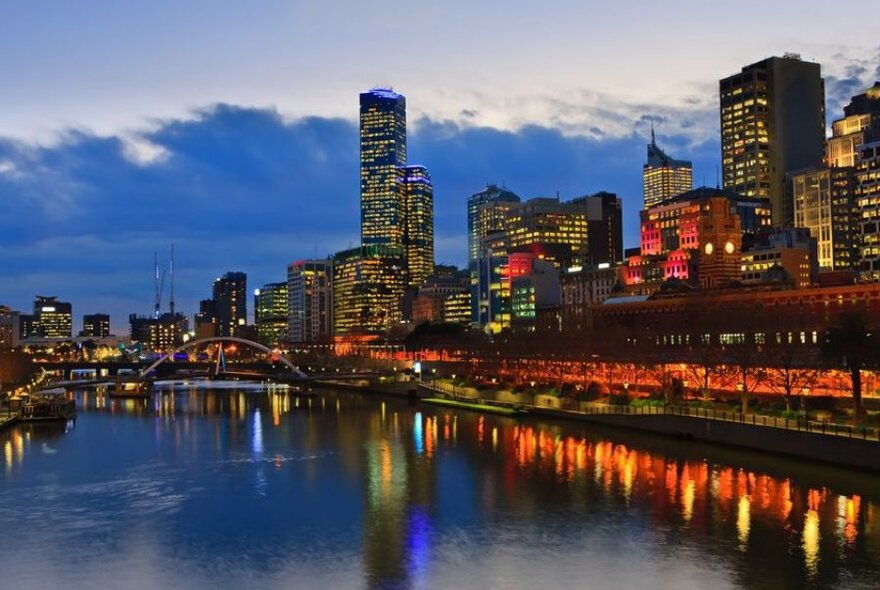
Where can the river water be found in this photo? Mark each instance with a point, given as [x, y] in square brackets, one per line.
[238, 486]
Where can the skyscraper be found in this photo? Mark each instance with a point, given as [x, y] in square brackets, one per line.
[270, 313]
[663, 177]
[96, 325]
[367, 286]
[550, 229]
[487, 211]
[772, 124]
[230, 303]
[383, 151]
[824, 203]
[605, 228]
[310, 300]
[859, 125]
[53, 318]
[418, 194]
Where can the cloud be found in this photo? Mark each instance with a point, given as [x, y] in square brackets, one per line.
[245, 189]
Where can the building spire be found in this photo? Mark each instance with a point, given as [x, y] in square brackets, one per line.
[653, 140]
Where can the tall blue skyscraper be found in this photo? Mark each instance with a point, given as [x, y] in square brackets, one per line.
[383, 151]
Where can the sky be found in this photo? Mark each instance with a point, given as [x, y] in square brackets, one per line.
[230, 128]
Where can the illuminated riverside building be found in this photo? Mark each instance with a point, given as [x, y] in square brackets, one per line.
[160, 334]
[581, 288]
[51, 319]
[695, 237]
[824, 203]
[205, 323]
[487, 214]
[549, 229]
[368, 284]
[787, 256]
[772, 124]
[96, 325]
[382, 152]
[664, 177]
[310, 300]
[270, 313]
[230, 303]
[511, 287]
[444, 298]
[418, 195]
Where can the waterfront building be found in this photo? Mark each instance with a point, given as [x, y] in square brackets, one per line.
[487, 214]
[772, 124]
[444, 298]
[824, 203]
[10, 335]
[270, 313]
[382, 152]
[230, 303]
[663, 177]
[51, 319]
[368, 285]
[161, 334]
[310, 301]
[418, 197]
[96, 325]
[788, 256]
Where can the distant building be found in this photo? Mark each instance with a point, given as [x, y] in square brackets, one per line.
[368, 285]
[824, 203]
[270, 313]
[772, 124]
[96, 325]
[51, 319]
[444, 298]
[310, 301]
[161, 334]
[782, 255]
[581, 288]
[605, 228]
[230, 303]
[860, 125]
[10, 335]
[418, 195]
[664, 177]
[487, 214]
[206, 320]
[867, 193]
[511, 288]
[550, 230]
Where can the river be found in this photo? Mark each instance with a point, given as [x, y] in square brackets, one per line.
[248, 486]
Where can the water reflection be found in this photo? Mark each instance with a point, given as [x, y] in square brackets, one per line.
[419, 493]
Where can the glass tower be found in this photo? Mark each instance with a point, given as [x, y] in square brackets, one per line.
[663, 177]
[418, 195]
[230, 303]
[383, 151]
[270, 313]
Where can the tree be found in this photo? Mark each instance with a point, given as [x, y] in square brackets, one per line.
[787, 372]
[849, 343]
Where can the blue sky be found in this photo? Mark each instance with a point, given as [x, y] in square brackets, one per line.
[230, 127]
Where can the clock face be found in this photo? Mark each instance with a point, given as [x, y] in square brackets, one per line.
[728, 247]
[709, 248]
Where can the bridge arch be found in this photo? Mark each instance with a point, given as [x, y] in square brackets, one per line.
[221, 339]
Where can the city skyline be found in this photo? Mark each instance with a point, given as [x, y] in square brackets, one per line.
[178, 186]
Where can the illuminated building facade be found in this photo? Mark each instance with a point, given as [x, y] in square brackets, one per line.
[550, 230]
[160, 334]
[96, 325]
[230, 303]
[444, 298]
[9, 328]
[664, 177]
[860, 125]
[418, 196]
[511, 288]
[867, 194]
[581, 288]
[604, 227]
[270, 313]
[51, 318]
[382, 152]
[487, 214]
[310, 300]
[368, 284]
[788, 256]
[772, 124]
[824, 203]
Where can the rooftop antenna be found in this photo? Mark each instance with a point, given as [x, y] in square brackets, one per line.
[171, 272]
[653, 141]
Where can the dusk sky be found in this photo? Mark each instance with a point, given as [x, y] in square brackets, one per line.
[230, 128]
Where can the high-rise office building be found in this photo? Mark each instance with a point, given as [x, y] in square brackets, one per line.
[605, 228]
[664, 177]
[159, 334]
[310, 301]
[52, 318]
[382, 152]
[867, 194]
[487, 214]
[772, 124]
[96, 325]
[824, 203]
[859, 125]
[206, 320]
[270, 313]
[418, 196]
[550, 229]
[368, 283]
[230, 303]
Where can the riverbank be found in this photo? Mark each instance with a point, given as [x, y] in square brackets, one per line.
[7, 421]
[485, 408]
